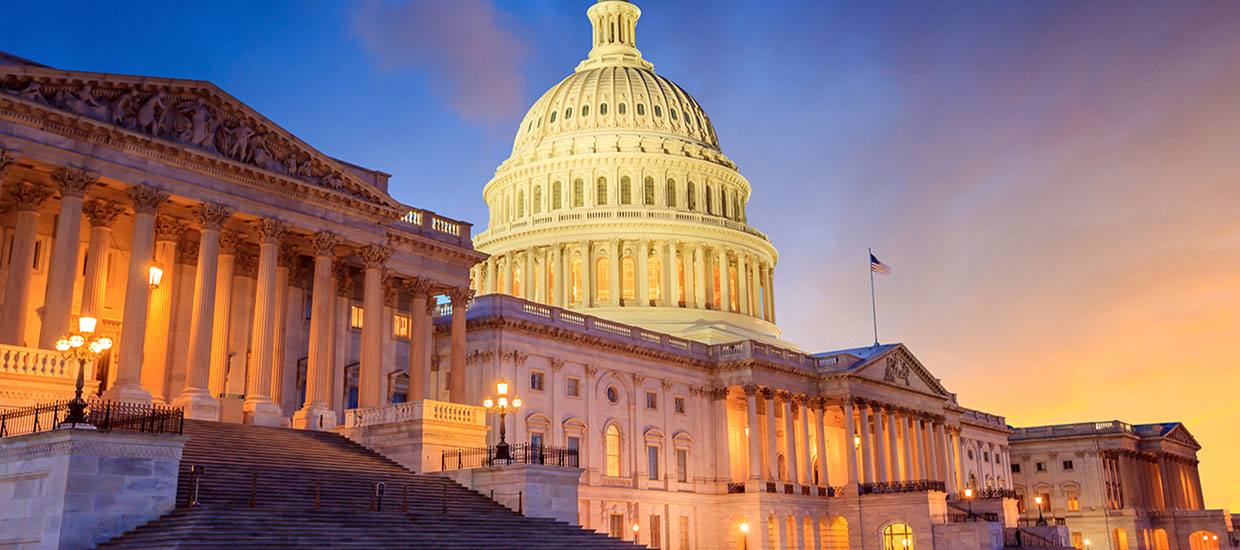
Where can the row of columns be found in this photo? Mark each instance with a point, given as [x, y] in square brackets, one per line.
[763, 443]
[142, 347]
[555, 282]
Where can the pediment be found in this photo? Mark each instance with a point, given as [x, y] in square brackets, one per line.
[899, 367]
[190, 113]
[1180, 434]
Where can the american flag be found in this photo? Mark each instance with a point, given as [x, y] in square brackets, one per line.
[879, 267]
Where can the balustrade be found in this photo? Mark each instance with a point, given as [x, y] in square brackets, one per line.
[37, 362]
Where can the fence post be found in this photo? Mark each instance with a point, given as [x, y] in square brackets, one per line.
[253, 487]
[444, 510]
[107, 420]
[491, 505]
[372, 496]
[521, 503]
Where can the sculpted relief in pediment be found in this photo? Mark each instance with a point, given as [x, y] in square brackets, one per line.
[897, 371]
[196, 118]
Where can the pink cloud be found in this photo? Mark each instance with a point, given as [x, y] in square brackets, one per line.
[471, 58]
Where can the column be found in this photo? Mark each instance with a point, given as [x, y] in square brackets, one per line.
[128, 386]
[772, 448]
[1195, 477]
[505, 264]
[723, 447]
[803, 405]
[725, 289]
[867, 453]
[287, 259]
[940, 460]
[419, 288]
[953, 476]
[168, 231]
[492, 274]
[742, 285]
[529, 286]
[258, 407]
[102, 214]
[770, 289]
[907, 436]
[642, 288]
[766, 294]
[671, 283]
[691, 269]
[370, 378]
[198, 402]
[699, 276]
[587, 274]
[893, 446]
[27, 198]
[751, 428]
[919, 448]
[880, 446]
[563, 275]
[850, 451]
[790, 438]
[613, 268]
[459, 383]
[313, 412]
[820, 417]
[61, 274]
[229, 241]
[755, 303]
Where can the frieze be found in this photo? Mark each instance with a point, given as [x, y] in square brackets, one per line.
[198, 118]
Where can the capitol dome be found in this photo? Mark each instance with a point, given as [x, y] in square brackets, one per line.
[617, 201]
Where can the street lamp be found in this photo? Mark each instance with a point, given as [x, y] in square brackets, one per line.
[156, 275]
[968, 495]
[501, 405]
[1038, 500]
[81, 345]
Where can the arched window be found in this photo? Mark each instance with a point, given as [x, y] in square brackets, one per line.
[1160, 540]
[552, 116]
[521, 203]
[621, 108]
[602, 280]
[612, 436]
[641, 109]
[602, 108]
[673, 110]
[718, 298]
[648, 192]
[576, 288]
[568, 113]
[654, 269]
[690, 197]
[628, 279]
[1201, 540]
[723, 203]
[579, 193]
[671, 193]
[536, 206]
[710, 200]
[1119, 540]
[680, 279]
[600, 192]
[585, 110]
[736, 206]
[658, 111]
[626, 190]
[732, 292]
[516, 281]
[897, 536]
[555, 196]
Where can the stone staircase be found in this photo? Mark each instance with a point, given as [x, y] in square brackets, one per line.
[276, 488]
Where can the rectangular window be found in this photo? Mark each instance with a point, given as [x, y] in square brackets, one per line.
[536, 440]
[573, 387]
[1016, 468]
[1078, 541]
[355, 316]
[615, 526]
[1074, 505]
[1040, 466]
[1067, 465]
[1046, 502]
[682, 465]
[574, 442]
[679, 406]
[400, 326]
[1020, 502]
[684, 532]
[652, 400]
[652, 462]
[656, 536]
[536, 381]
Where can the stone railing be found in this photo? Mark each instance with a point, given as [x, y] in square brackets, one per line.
[627, 213]
[37, 362]
[426, 409]
[430, 224]
[1064, 430]
[983, 418]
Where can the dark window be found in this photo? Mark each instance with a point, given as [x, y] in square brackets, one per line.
[1040, 466]
[652, 400]
[573, 386]
[652, 461]
[641, 109]
[682, 465]
[536, 440]
[536, 381]
[680, 405]
[612, 394]
[602, 108]
[574, 442]
[1016, 468]
[1067, 465]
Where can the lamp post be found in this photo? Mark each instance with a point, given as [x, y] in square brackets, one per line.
[501, 405]
[81, 345]
[1038, 500]
[968, 495]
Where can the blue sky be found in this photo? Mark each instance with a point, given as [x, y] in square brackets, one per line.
[1054, 183]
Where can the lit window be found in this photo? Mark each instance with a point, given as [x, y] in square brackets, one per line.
[682, 465]
[718, 298]
[680, 280]
[555, 196]
[579, 193]
[576, 290]
[652, 462]
[536, 381]
[600, 191]
[626, 190]
[1074, 505]
[1046, 502]
[355, 316]
[628, 278]
[897, 536]
[516, 281]
[656, 533]
[612, 435]
[654, 268]
[648, 192]
[536, 207]
[652, 400]
[679, 405]
[573, 387]
[400, 326]
[732, 292]
[602, 278]
[671, 193]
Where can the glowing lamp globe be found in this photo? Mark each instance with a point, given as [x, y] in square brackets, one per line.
[516, 402]
[636, 527]
[156, 275]
[503, 401]
[87, 324]
[968, 492]
[105, 343]
[501, 388]
[744, 527]
[488, 402]
[76, 341]
[62, 344]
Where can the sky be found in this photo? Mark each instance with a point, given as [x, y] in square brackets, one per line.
[1055, 184]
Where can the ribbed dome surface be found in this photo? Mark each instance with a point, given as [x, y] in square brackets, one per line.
[612, 98]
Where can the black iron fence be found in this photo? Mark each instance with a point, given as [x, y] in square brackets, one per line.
[917, 486]
[966, 517]
[1022, 538]
[103, 415]
[1033, 521]
[521, 453]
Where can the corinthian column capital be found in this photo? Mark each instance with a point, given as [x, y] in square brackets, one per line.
[73, 182]
[460, 296]
[230, 241]
[324, 243]
[168, 228]
[7, 160]
[374, 256]
[418, 286]
[29, 197]
[213, 216]
[102, 213]
[146, 199]
[270, 231]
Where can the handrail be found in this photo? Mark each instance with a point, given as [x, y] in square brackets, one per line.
[103, 415]
[520, 453]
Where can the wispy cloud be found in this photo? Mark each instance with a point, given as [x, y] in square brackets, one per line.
[470, 56]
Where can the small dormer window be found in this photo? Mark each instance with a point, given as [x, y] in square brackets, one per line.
[602, 108]
[621, 108]
[658, 111]
[552, 116]
[568, 113]
[585, 110]
[641, 109]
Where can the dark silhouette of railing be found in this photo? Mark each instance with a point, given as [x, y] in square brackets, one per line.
[892, 487]
[521, 453]
[103, 415]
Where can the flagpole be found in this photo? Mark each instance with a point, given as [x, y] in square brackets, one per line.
[873, 304]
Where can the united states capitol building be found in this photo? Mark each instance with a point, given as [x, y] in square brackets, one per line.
[291, 338]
